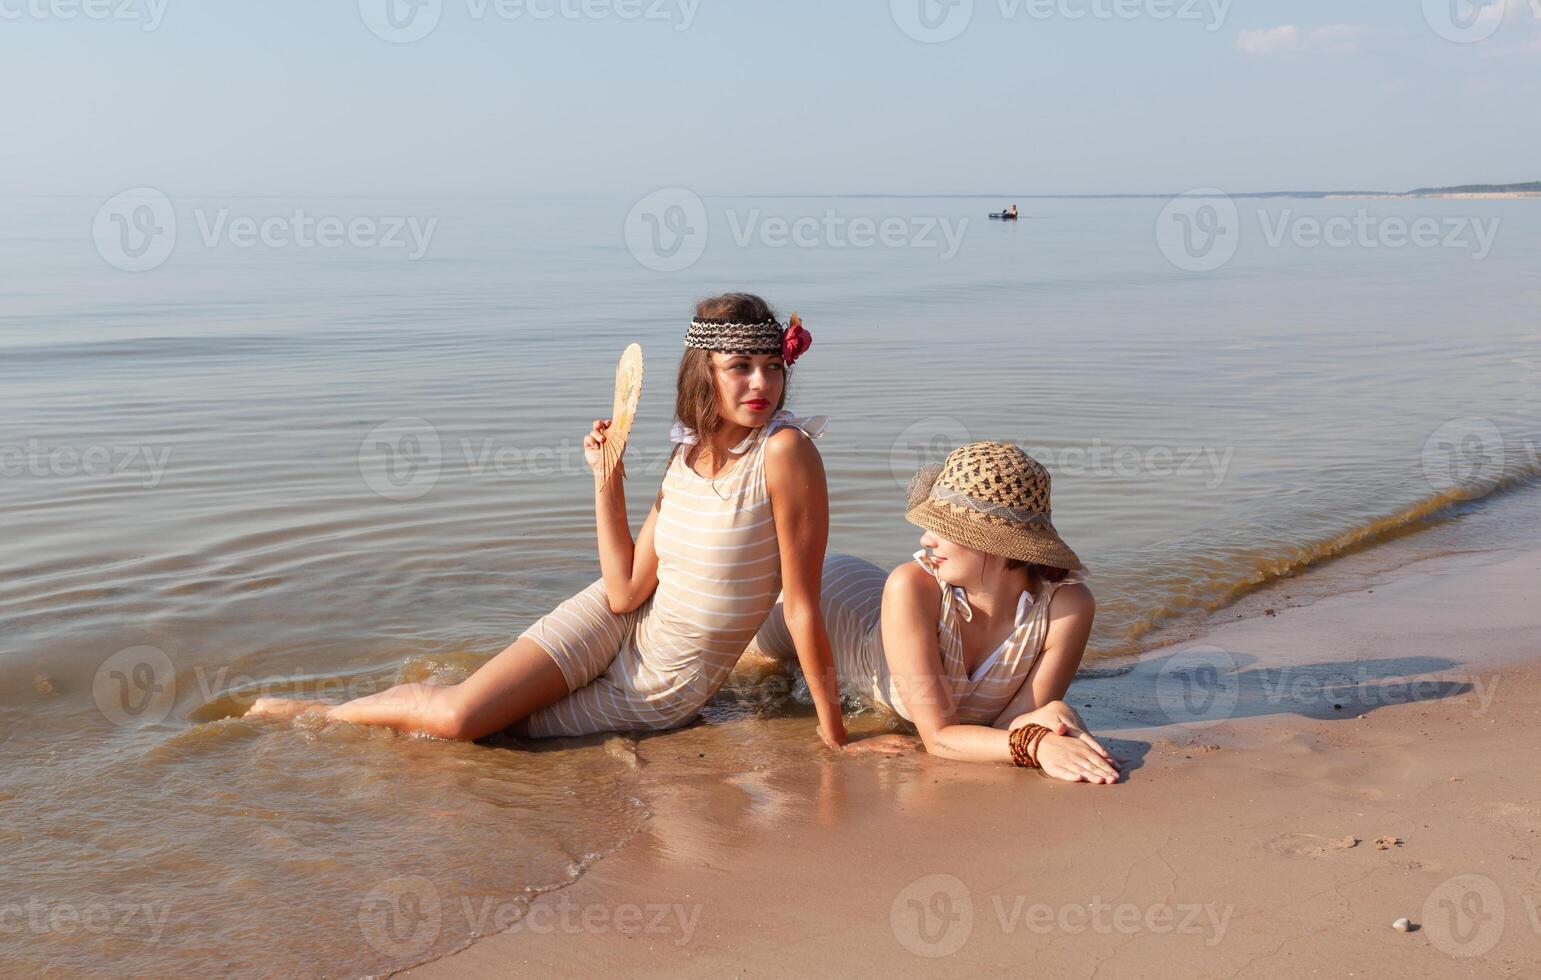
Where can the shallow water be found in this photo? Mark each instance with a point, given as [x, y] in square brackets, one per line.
[197, 504]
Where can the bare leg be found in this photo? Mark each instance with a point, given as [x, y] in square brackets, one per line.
[520, 680]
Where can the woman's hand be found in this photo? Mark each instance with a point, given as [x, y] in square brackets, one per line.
[1070, 757]
[1057, 713]
[593, 449]
[890, 745]
[829, 740]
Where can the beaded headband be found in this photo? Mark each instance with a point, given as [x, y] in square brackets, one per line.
[727, 337]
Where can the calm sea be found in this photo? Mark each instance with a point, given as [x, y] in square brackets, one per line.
[322, 445]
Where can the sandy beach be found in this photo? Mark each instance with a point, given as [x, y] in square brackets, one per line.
[1366, 761]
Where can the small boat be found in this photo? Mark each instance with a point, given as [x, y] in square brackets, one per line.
[1003, 216]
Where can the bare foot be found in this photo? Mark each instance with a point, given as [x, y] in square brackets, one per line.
[284, 708]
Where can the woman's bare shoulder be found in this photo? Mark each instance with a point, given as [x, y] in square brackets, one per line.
[1073, 600]
[913, 588]
[789, 443]
[791, 457]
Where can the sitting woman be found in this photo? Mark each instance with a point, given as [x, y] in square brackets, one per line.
[743, 513]
[977, 641]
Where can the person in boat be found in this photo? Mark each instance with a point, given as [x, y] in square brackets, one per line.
[976, 641]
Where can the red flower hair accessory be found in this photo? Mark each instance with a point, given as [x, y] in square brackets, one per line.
[796, 341]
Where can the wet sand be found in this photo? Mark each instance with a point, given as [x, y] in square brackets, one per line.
[1369, 757]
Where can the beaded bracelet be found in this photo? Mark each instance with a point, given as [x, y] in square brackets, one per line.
[1024, 745]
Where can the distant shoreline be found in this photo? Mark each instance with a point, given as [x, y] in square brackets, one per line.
[1494, 192]
[1448, 195]
[1295, 195]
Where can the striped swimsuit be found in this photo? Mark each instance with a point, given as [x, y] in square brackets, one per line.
[719, 573]
[852, 601]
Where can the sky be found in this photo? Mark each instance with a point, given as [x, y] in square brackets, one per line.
[621, 97]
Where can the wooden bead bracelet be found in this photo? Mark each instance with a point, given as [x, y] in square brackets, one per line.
[1024, 745]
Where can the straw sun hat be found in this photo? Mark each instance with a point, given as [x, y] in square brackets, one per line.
[992, 497]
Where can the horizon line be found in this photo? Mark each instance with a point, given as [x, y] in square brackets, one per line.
[1101, 195]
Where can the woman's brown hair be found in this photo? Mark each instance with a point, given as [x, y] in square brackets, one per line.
[695, 398]
[1037, 573]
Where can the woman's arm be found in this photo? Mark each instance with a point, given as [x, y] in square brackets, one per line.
[1071, 611]
[911, 605]
[630, 569]
[794, 476]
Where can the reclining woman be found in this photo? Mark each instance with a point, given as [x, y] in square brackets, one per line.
[743, 513]
[977, 640]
